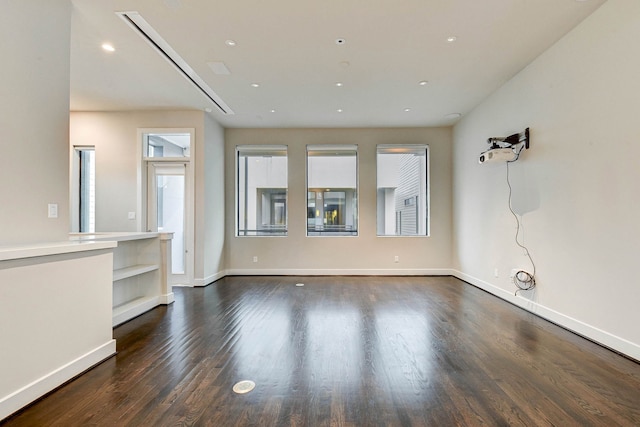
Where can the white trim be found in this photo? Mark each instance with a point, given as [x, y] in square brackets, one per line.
[332, 147]
[144, 166]
[166, 299]
[590, 332]
[29, 393]
[340, 272]
[210, 279]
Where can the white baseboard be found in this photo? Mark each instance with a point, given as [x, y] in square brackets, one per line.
[166, 299]
[339, 272]
[209, 279]
[38, 388]
[604, 338]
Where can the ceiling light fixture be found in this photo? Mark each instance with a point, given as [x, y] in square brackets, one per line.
[451, 39]
[452, 116]
[108, 47]
[255, 84]
[273, 110]
[151, 36]
[340, 41]
[230, 42]
[339, 110]
[423, 83]
[406, 110]
[339, 84]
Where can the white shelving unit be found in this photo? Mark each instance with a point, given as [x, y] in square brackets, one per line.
[140, 271]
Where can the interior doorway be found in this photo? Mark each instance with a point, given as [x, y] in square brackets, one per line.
[168, 196]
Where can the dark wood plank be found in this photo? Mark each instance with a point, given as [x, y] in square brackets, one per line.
[345, 351]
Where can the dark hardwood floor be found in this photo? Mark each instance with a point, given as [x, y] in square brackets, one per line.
[345, 351]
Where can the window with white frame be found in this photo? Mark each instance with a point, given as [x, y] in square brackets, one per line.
[163, 145]
[402, 190]
[83, 195]
[261, 194]
[332, 190]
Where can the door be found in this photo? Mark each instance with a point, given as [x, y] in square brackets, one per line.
[167, 206]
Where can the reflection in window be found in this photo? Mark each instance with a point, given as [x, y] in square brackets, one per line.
[332, 203]
[262, 190]
[167, 145]
[403, 192]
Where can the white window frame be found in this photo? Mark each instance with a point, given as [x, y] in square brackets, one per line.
[336, 148]
[257, 149]
[74, 189]
[426, 205]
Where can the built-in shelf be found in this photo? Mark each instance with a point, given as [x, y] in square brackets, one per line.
[134, 270]
[140, 271]
[133, 308]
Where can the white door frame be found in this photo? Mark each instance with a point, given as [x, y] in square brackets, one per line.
[144, 165]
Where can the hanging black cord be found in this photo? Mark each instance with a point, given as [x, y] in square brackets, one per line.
[522, 279]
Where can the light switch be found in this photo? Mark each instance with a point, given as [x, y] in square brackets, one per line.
[131, 215]
[53, 210]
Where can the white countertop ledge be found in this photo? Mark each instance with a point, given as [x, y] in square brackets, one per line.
[8, 253]
[116, 235]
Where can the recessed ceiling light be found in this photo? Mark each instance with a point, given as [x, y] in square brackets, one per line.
[451, 39]
[423, 83]
[340, 41]
[406, 110]
[273, 110]
[255, 84]
[339, 110]
[339, 84]
[230, 42]
[208, 110]
[108, 47]
[452, 116]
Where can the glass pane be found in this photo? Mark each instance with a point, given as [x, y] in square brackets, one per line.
[87, 196]
[262, 191]
[332, 204]
[168, 145]
[402, 191]
[170, 208]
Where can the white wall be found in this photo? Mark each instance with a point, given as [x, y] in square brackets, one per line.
[212, 267]
[364, 254]
[577, 187]
[34, 109]
[55, 313]
[115, 136]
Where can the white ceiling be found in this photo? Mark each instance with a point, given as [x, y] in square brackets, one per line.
[289, 48]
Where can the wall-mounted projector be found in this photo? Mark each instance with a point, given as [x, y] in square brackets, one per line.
[505, 149]
[498, 155]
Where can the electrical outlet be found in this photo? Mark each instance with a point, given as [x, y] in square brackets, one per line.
[255, 259]
[396, 258]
